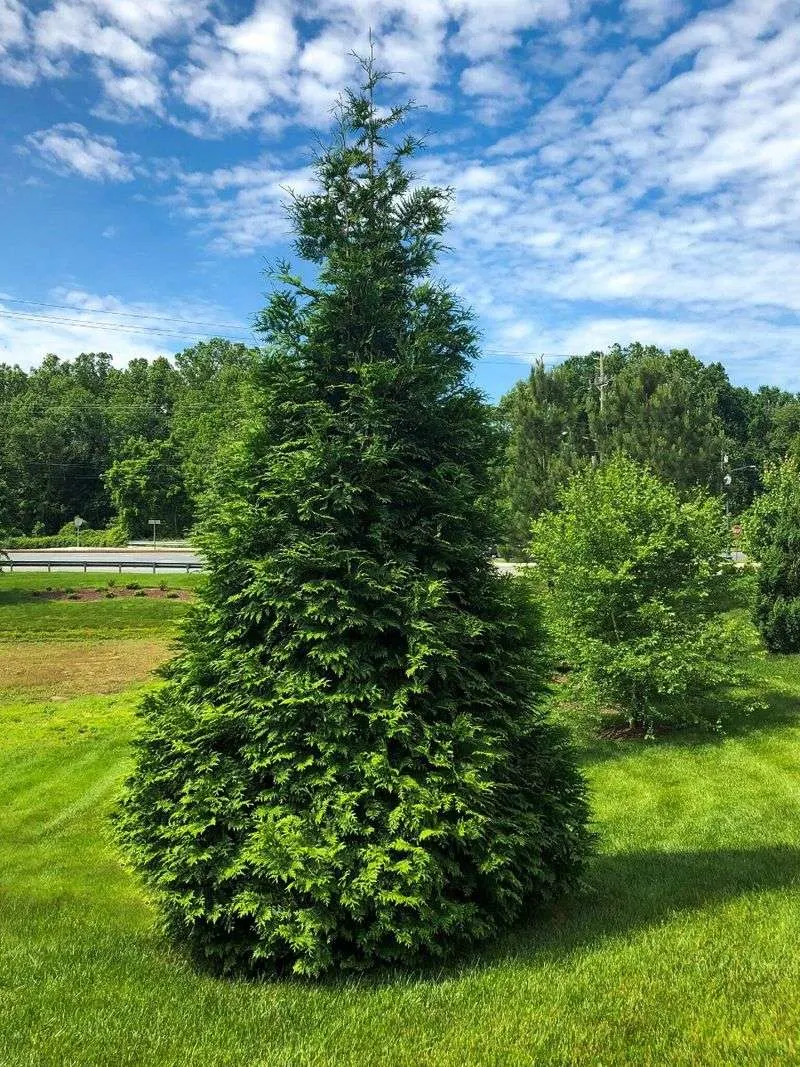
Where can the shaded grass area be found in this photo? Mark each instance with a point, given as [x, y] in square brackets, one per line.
[682, 950]
[25, 616]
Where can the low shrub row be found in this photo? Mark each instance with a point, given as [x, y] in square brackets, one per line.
[113, 537]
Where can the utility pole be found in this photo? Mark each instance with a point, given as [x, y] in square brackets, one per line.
[726, 485]
[602, 383]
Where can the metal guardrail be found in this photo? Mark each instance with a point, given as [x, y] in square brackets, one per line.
[93, 564]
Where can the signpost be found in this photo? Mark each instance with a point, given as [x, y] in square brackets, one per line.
[78, 522]
[155, 523]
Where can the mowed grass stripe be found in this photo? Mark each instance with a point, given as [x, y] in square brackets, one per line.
[683, 950]
[27, 617]
[665, 935]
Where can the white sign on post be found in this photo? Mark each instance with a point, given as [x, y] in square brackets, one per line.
[155, 523]
[78, 522]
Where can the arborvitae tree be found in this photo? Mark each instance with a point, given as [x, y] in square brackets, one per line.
[772, 529]
[348, 763]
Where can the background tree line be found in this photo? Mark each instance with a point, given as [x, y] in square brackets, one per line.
[115, 445]
[668, 411]
[121, 445]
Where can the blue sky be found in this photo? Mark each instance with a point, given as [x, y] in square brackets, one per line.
[623, 170]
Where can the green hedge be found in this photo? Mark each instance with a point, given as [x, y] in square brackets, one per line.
[110, 538]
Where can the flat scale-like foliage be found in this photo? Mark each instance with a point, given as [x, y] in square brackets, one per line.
[773, 534]
[348, 764]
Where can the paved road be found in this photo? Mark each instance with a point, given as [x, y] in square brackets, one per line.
[109, 560]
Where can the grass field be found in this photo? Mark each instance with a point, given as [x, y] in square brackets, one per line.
[684, 950]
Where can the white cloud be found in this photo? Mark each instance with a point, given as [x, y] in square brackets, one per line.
[69, 148]
[240, 68]
[15, 67]
[129, 92]
[240, 209]
[91, 325]
[69, 27]
[118, 38]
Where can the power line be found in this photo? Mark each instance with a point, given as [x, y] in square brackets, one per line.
[126, 327]
[119, 327]
[125, 314]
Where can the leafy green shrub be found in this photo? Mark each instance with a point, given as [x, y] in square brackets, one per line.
[634, 580]
[349, 763]
[772, 537]
[113, 537]
[140, 592]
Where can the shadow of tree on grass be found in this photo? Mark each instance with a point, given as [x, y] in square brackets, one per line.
[633, 890]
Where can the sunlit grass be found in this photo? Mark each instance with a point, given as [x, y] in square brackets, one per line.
[682, 950]
[24, 615]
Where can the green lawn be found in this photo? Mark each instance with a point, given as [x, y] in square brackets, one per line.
[684, 950]
[26, 616]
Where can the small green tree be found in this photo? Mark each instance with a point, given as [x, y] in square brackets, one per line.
[349, 763]
[772, 531]
[661, 411]
[632, 576]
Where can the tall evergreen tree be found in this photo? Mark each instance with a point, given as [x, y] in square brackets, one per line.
[660, 414]
[539, 453]
[348, 763]
[773, 535]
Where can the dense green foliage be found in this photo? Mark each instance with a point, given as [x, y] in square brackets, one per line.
[66, 424]
[146, 481]
[633, 578]
[349, 764]
[773, 537]
[67, 537]
[666, 410]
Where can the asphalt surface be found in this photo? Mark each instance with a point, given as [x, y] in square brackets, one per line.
[108, 560]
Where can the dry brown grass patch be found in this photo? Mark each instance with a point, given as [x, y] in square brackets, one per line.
[40, 669]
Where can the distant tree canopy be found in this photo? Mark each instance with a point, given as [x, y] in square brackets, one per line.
[67, 425]
[669, 411]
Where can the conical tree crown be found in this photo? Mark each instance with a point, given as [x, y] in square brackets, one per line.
[348, 763]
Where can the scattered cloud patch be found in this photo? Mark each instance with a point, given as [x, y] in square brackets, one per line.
[240, 210]
[69, 148]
